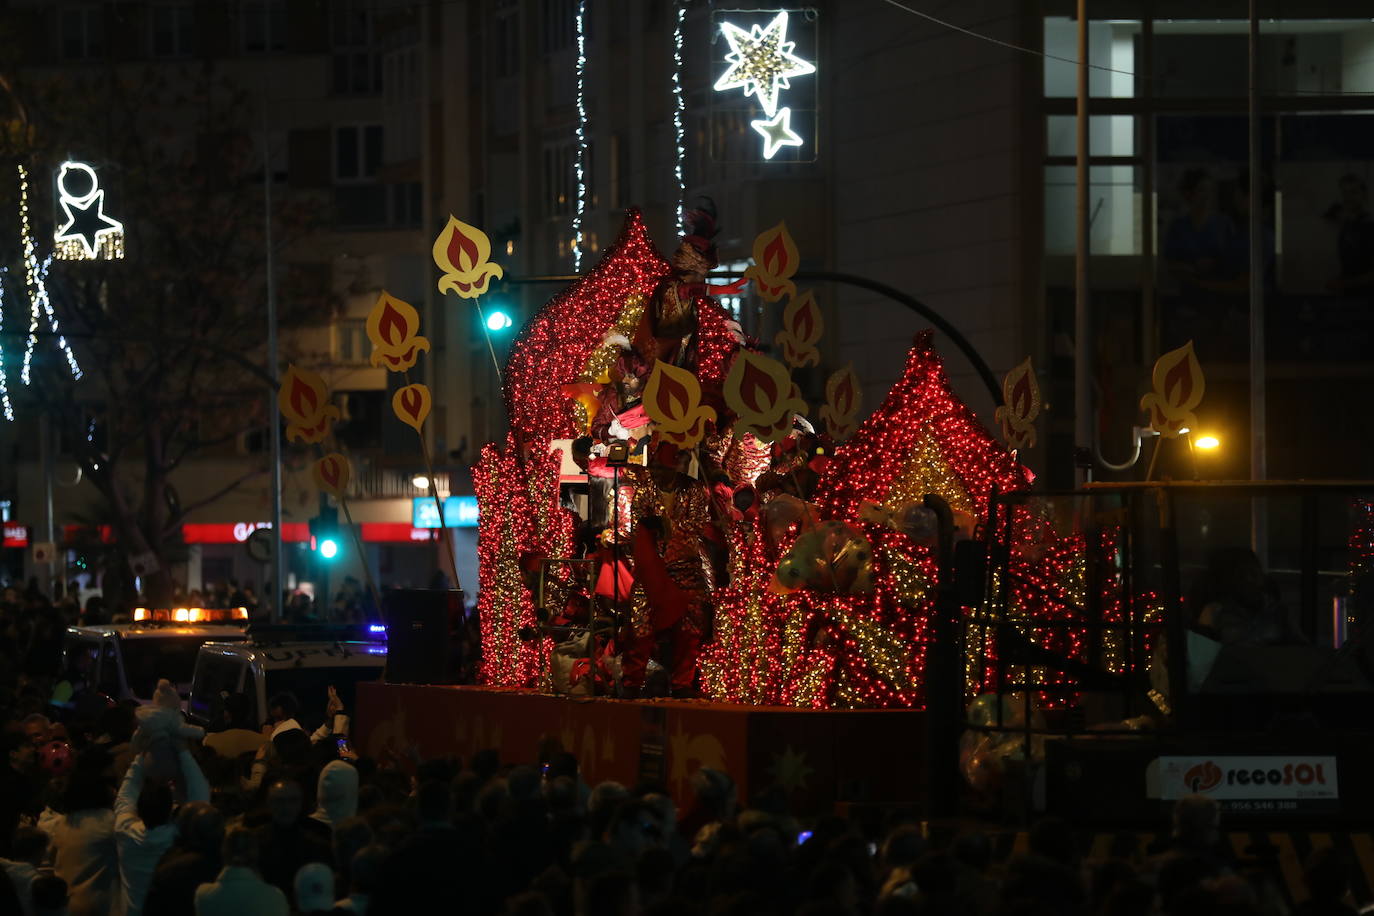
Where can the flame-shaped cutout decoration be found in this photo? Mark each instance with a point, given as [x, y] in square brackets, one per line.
[393, 326]
[304, 401]
[302, 394]
[331, 474]
[412, 404]
[1178, 389]
[1021, 397]
[761, 394]
[775, 261]
[841, 407]
[313, 430]
[672, 399]
[462, 253]
[802, 326]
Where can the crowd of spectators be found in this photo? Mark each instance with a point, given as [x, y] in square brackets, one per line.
[275, 821]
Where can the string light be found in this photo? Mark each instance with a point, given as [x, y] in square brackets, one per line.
[4, 381]
[581, 135]
[679, 110]
[36, 279]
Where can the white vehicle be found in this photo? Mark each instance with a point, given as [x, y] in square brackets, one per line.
[125, 660]
[303, 661]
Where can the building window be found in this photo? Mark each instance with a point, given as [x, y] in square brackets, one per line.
[357, 152]
[82, 33]
[357, 65]
[405, 205]
[172, 32]
[264, 26]
[505, 44]
[560, 182]
[560, 24]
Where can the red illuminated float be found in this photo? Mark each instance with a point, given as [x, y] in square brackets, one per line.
[777, 567]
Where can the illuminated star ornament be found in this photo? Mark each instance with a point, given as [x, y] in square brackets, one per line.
[86, 233]
[777, 132]
[761, 62]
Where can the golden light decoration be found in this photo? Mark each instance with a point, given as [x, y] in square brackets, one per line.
[463, 254]
[332, 473]
[760, 392]
[303, 399]
[841, 407]
[802, 326]
[1021, 397]
[775, 262]
[412, 404]
[1178, 389]
[761, 61]
[672, 399]
[393, 326]
[586, 397]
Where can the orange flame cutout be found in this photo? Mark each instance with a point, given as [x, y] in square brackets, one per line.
[462, 252]
[672, 399]
[842, 397]
[775, 261]
[760, 392]
[412, 404]
[304, 401]
[1178, 389]
[331, 474]
[393, 327]
[802, 327]
[1021, 405]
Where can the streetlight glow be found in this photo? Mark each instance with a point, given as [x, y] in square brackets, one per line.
[420, 481]
[1207, 442]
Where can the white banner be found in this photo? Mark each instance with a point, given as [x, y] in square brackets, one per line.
[1276, 777]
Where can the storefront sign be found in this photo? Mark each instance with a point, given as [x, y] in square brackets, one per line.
[1260, 783]
[459, 512]
[16, 535]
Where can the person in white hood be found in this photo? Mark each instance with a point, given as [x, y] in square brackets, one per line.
[337, 794]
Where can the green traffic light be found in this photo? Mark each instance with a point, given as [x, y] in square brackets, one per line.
[329, 548]
[498, 321]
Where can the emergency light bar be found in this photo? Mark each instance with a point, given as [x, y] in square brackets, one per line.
[190, 614]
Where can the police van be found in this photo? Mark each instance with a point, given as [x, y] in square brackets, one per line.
[124, 661]
[302, 660]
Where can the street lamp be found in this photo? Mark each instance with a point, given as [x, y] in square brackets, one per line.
[420, 482]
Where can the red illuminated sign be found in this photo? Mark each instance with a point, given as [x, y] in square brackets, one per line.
[299, 532]
[16, 535]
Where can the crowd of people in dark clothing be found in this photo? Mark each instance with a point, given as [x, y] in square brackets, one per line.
[277, 820]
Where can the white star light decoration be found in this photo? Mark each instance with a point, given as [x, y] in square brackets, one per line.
[86, 232]
[762, 64]
[777, 132]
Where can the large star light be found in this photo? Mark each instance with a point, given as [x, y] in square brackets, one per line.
[761, 61]
[777, 132]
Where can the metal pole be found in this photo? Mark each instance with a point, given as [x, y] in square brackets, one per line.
[50, 531]
[278, 580]
[1082, 346]
[1258, 471]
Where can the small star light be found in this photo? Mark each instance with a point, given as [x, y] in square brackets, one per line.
[777, 132]
[761, 61]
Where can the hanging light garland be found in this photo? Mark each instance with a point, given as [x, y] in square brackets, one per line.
[36, 278]
[4, 382]
[679, 111]
[581, 167]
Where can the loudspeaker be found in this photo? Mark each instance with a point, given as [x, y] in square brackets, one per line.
[420, 631]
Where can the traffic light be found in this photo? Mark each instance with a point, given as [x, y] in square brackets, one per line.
[324, 534]
[498, 320]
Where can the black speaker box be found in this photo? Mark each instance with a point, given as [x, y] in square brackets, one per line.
[420, 635]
